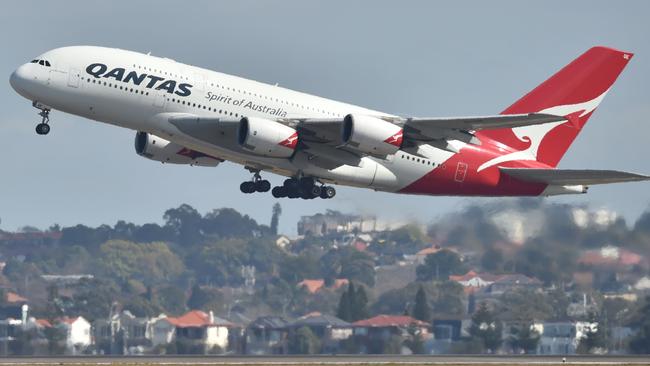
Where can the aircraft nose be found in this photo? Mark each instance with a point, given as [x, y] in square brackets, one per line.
[19, 78]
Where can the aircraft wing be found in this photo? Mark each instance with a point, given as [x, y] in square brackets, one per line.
[434, 127]
[566, 177]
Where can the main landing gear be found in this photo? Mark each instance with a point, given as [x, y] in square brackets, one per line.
[305, 188]
[42, 128]
[257, 184]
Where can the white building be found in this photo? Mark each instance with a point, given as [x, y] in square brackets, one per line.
[77, 334]
[196, 327]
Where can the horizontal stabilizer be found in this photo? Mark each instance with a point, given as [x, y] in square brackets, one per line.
[566, 177]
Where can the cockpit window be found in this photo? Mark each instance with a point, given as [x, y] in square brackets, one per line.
[41, 62]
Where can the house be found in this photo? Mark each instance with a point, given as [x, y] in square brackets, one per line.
[200, 332]
[12, 305]
[511, 282]
[315, 285]
[496, 284]
[329, 329]
[474, 279]
[560, 338]
[77, 333]
[446, 331]
[611, 257]
[282, 241]
[385, 326]
[123, 333]
[267, 335]
[10, 336]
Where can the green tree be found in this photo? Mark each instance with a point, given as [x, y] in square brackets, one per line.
[640, 342]
[303, 341]
[353, 304]
[487, 328]
[492, 260]
[440, 265]
[422, 310]
[171, 298]
[275, 218]
[186, 223]
[152, 263]
[524, 337]
[205, 298]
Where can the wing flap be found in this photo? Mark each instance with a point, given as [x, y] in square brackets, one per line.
[567, 177]
[437, 127]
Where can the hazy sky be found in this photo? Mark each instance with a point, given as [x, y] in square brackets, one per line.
[407, 57]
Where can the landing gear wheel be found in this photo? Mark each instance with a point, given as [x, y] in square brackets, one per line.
[327, 192]
[247, 187]
[279, 192]
[262, 186]
[42, 128]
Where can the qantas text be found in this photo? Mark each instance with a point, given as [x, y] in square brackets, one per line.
[156, 82]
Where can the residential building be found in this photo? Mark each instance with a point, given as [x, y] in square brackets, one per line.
[267, 335]
[560, 338]
[123, 333]
[385, 326]
[199, 331]
[77, 333]
[330, 329]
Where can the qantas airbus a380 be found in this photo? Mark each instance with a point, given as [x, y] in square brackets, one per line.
[189, 115]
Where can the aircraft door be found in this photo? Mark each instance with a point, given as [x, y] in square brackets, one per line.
[73, 78]
[461, 172]
[159, 99]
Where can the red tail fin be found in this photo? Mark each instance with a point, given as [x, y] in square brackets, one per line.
[575, 92]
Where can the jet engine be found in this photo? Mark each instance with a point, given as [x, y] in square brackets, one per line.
[267, 138]
[158, 149]
[371, 135]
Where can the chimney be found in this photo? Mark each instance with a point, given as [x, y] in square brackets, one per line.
[211, 317]
[25, 309]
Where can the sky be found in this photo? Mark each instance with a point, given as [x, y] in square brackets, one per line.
[412, 58]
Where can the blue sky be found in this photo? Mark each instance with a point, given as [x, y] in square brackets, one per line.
[414, 58]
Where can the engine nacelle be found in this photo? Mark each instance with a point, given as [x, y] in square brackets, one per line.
[158, 149]
[371, 135]
[267, 138]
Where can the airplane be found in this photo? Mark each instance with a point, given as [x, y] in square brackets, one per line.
[184, 114]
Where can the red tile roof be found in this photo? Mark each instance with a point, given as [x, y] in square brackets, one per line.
[14, 298]
[196, 318]
[389, 321]
[43, 323]
[313, 286]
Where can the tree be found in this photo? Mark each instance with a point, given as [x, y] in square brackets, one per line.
[486, 328]
[275, 218]
[640, 342]
[205, 298]
[152, 263]
[353, 304]
[440, 265]
[524, 338]
[492, 260]
[186, 223]
[422, 310]
[303, 341]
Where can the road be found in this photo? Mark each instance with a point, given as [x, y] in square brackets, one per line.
[327, 359]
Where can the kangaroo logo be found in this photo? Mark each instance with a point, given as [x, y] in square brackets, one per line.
[535, 134]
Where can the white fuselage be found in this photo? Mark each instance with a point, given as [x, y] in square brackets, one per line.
[69, 85]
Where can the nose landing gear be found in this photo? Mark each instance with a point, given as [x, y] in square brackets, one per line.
[42, 128]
